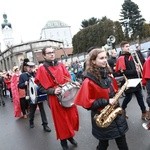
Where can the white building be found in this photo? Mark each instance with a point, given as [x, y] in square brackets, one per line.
[57, 30]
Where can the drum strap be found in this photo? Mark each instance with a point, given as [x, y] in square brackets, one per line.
[49, 72]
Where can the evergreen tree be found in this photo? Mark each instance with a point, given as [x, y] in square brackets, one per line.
[118, 33]
[92, 21]
[131, 19]
[146, 30]
[97, 35]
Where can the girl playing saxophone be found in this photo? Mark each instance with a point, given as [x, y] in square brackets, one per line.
[97, 92]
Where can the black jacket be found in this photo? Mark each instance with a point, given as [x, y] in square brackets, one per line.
[130, 72]
[118, 127]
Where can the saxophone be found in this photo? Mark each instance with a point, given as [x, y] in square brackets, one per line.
[110, 112]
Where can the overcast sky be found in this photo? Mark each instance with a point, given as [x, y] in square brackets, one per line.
[28, 17]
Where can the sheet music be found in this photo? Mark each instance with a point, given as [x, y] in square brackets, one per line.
[133, 82]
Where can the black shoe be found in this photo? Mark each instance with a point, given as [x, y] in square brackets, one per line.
[31, 125]
[3, 103]
[64, 144]
[65, 147]
[73, 141]
[46, 129]
[97, 148]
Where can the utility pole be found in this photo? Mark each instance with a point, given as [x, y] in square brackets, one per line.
[34, 56]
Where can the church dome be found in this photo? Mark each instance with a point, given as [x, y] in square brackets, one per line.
[55, 24]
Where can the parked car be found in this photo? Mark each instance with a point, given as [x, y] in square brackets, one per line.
[145, 53]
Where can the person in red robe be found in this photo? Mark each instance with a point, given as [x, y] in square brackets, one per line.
[97, 91]
[126, 65]
[146, 82]
[15, 92]
[66, 120]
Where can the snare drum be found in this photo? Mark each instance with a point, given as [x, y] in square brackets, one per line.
[66, 98]
[35, 95]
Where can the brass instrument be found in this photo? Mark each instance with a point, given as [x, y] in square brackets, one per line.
[110, 112]
[137, 62]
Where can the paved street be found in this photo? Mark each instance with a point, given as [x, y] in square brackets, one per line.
[15, 134]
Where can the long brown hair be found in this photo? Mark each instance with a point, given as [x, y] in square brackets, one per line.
[91, 67]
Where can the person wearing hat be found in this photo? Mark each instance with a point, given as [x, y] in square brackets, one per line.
[23, 84]
[24, 65]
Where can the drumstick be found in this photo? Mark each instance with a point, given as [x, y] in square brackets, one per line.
[68, 79]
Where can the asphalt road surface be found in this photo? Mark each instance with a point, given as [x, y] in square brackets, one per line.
[15, 133]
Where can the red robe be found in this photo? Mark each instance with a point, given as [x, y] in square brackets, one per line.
[66, 120]
[120, 64]
[146, 71]
[89, 92]
[15, 95]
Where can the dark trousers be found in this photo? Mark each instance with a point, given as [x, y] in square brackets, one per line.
[4, 92]
[10, 93]
[42, 112]
[139, 97]
[1, 97]
[24, 105]
[120, 141]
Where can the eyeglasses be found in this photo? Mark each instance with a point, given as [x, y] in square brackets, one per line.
[31, 66]
[50, 52]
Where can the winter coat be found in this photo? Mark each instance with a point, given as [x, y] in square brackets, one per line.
[94, 96]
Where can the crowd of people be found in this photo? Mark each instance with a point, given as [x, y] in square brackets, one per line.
[98, 81]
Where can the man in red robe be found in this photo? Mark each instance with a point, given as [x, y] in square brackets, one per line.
[66, 120]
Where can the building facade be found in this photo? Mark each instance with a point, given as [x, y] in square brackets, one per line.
[14, 55]
[55, 34]
[57, 30]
